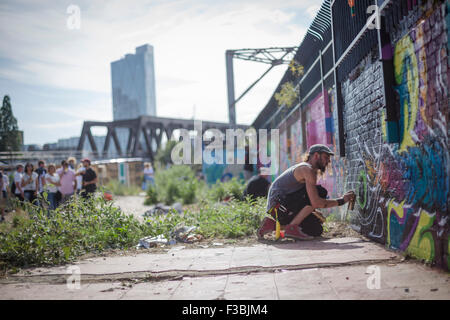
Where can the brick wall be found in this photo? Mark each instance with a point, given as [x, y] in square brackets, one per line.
[403, 188]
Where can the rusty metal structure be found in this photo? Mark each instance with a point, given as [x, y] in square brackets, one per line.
[150, 128]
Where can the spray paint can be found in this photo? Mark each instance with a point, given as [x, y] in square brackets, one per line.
[351, 204]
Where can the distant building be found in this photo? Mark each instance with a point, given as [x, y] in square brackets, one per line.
[133, 88]
[133, 85]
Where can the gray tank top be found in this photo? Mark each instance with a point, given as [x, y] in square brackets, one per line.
[285, 183]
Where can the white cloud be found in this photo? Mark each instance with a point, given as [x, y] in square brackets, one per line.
[189, 39]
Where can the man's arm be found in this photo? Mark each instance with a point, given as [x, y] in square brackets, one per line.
[316, 201]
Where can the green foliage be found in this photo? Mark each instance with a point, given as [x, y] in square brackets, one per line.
[152, 196]
[77, 228]
[296, 69]
[178, 183]
[233, 188]
[94, 226]
[215, 220]
[10, 138]
[120, 189]
[163, 156]
[287, 95]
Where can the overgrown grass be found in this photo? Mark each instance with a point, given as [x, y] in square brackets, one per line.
[72, 230]
[179, 183]
[233, 219]
[33, 238]
[120, 189]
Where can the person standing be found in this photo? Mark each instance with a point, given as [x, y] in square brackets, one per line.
[2, 198]
[5, 189]
[72, 163]
[52, 184]
[41, 171]
[148, 176]
[79, 177]
[30, 183]
[18, 191]
[67, 180]
[89, 179]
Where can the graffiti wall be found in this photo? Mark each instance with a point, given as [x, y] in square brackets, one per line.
[315, 121]
[403, 188]
[223, 172]
[285, 154]
[297, 149]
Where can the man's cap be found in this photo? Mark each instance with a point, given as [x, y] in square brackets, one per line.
[86, 159]
[320, 148]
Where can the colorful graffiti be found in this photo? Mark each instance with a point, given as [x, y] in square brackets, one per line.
[285, 155]
[222, 172]
[403, 189]
[297, 140]
[315, 121]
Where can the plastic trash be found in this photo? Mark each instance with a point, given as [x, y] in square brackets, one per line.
[160, 208]
[185, 234]
[149, 242]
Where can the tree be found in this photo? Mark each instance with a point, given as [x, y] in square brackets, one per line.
[9, 131]
[163, 156]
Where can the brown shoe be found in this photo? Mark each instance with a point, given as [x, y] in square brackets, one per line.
[294, 231]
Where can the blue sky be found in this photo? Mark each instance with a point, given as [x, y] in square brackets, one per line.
[58, 77]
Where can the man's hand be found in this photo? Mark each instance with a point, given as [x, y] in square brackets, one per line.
[350, 195]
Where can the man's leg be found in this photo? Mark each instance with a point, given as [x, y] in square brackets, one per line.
[293, 229]
[306, 211]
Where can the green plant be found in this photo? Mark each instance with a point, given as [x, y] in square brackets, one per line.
[151, 196]
[233, 188]
[178, 183]
[78, 227]
[287, 95]
[234, 219]
[163, 156]
[119, 189]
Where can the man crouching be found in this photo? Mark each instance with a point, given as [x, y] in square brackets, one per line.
[296, 195]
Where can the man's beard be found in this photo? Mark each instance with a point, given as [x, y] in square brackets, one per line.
[321, 167]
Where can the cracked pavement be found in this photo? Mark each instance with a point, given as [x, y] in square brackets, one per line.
[341, 268]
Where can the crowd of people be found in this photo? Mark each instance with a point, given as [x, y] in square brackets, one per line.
[59, 182]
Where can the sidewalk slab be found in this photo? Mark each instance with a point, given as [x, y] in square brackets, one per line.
[341, 250]
[319, 269]
[348, 282]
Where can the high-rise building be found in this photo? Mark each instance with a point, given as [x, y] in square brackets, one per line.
[133, 85]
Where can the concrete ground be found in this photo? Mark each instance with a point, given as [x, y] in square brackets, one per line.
[344, 268]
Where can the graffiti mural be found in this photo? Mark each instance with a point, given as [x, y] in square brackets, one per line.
[315, 121]
[297, 141]
[285, 159]
[403, 189]
[222, 172]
